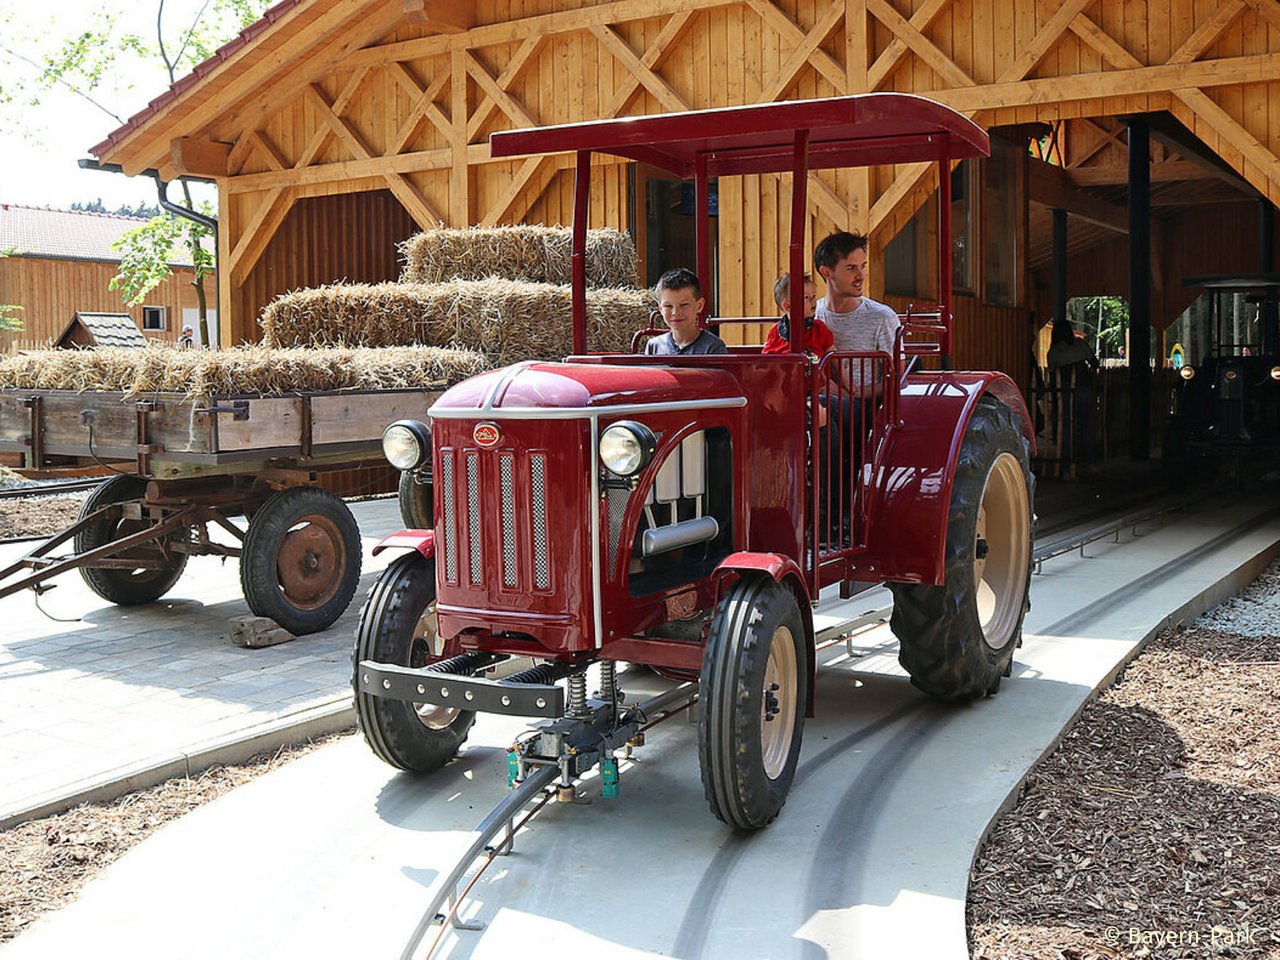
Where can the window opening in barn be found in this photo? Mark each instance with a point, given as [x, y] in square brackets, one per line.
[907, 257]
[668, 237]
[153, 318]
[1000, 216]
[962, 232]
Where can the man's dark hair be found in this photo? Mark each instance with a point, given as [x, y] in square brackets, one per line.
[836, 247]
[678, 279]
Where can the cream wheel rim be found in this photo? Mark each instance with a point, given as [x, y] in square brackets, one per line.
[432, 716]
[778, 703]
[1002, 551]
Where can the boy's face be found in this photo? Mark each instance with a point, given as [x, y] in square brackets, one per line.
[810, 302]
[680, 309]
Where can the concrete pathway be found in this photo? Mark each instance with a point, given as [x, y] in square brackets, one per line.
[105, 699]
[336, 854]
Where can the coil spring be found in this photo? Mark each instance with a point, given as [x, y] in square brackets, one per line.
[609, 681]
[578, 695]
[466, 664]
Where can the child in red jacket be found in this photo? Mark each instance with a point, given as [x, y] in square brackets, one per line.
[817, 335]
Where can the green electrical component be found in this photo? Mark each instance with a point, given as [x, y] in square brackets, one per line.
[513, 768]
[609, 778]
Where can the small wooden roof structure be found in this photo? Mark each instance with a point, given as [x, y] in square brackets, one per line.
[101, 330]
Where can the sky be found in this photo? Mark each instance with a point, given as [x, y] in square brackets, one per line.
[40, 146]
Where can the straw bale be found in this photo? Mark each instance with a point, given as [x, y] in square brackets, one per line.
[244, 369]
[536, 254]
[506, 320]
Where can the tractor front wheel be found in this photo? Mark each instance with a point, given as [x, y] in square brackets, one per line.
[398, 626]
[751, 702]
[417, 508]
[957, 640]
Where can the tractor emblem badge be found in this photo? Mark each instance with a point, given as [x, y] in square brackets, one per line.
[486, 434]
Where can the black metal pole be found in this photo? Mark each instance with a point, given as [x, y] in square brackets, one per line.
[1139, 290]
[1059, 264]
[1269, 311]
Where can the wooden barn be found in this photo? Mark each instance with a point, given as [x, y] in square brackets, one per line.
[336, 128]
[60, 263]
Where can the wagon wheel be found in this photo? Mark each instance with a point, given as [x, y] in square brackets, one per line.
[957, 640]
[751, 712]
[301, 559]
[398, 625]
[417, 508]
[121, 585]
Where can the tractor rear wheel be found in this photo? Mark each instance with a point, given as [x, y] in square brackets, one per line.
[957, 640]
[300, 563]
[751, 702]
[126, 587]
[417, 508]
[398, 626]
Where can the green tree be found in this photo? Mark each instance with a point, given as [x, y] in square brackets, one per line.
[83, 62]
[8, 320]
[1103, 320]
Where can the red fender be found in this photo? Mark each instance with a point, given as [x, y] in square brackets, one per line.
[912, 493]
[785, 571]
[424, 541]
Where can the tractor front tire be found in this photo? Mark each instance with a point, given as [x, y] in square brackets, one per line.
[417, 508]
[117, 584]
[957, 640]
[300, 563]
[398, 626]
[751, 702]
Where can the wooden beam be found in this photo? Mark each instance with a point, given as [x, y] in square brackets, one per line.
[1107, 46]
[512, 107]
[1050, 186]
[424, 105]
[375, 167]
[622, 51]
[803, 53]
[888, 61]
[444, 17]
[535, 170]
[1044, 39]
[1227, 127]
[1261, 68]
[921, 45]
[791, 32]
[260, 143]
[1105, 137]
[1115, 174]
[415, 201]
[190, 156]
[857, 47]
[542, 25]
[1207, 34]
[459, 172]
[258, 233]
[662, 46]
[510, 73]
[344, 129]
[321, 135]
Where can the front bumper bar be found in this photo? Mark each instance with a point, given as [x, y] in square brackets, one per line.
[420, 685]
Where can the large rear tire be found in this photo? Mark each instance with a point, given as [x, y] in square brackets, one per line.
[957, 640]
[119, 585]
[751, 703]
[398, 625]
[300, 564]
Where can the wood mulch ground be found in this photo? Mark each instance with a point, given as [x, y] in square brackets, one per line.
[40, 517]
[1154, 829]
[44, 863]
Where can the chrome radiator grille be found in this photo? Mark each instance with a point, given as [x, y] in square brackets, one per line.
[468, 513]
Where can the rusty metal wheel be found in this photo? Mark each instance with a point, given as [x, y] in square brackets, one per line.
[126, 586]
[301, 559]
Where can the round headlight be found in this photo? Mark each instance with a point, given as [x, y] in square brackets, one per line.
[1186, 373]
[406, 444]
[626, 447]
[1275, 373]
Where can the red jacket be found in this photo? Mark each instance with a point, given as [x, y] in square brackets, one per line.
[817, 340]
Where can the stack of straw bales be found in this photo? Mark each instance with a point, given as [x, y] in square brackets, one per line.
[246, 369]
[506, 320]
[536, 254]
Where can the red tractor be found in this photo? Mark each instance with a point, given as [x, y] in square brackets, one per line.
[673, 511]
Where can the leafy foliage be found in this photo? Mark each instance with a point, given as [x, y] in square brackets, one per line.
[124, 210]
[1103, 320]
[147, 250]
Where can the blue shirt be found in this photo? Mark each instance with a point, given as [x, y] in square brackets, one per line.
[665, 345]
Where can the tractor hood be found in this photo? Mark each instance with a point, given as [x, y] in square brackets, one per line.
[584, 386]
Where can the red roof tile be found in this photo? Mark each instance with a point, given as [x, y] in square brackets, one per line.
[40, 232]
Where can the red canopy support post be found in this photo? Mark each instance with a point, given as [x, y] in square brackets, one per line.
[945, 266]
[799, 216]
[578, 258]
[702, 197]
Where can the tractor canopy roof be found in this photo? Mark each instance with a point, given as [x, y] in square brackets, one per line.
[862, 130]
